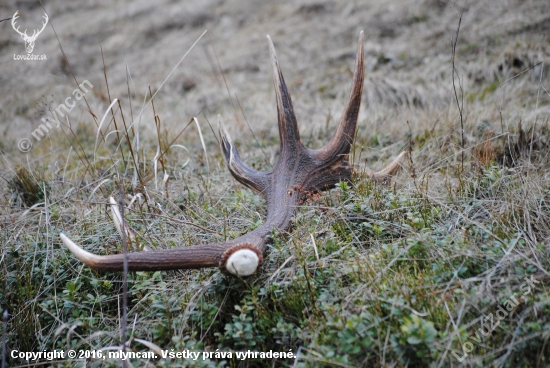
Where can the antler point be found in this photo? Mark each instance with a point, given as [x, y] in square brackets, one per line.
[81, 254]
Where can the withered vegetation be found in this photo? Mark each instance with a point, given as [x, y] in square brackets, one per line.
[445, 265]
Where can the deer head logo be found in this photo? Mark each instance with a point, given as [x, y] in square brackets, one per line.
[29, 40]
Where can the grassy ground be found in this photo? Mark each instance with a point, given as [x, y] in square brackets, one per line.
[448, 265]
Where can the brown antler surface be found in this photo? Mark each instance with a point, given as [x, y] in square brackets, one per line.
[298, 172]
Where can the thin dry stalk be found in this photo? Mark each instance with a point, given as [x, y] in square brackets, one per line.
[460, 104]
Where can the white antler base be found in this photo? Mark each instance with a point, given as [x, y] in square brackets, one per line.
[244, 262]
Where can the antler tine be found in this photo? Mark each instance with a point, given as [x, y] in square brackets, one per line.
[342, 140]
[119, 223]
[389, 170]
[16, 16]
[198, 256]
[288, 127]
[88, 258]
[252, 179]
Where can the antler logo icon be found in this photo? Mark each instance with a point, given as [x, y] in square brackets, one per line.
[29, 40]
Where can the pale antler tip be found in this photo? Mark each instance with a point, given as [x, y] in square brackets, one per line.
[389, 170]
[271, 48]
[78, 252]
[117, 218]
[224, 134]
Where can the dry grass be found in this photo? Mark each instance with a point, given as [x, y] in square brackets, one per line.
[444, 245]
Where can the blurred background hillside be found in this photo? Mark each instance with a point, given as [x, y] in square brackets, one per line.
[408, 50]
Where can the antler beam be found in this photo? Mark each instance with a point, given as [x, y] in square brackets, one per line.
[299, 172]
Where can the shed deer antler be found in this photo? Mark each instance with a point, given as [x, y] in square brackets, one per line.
[300, 171]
